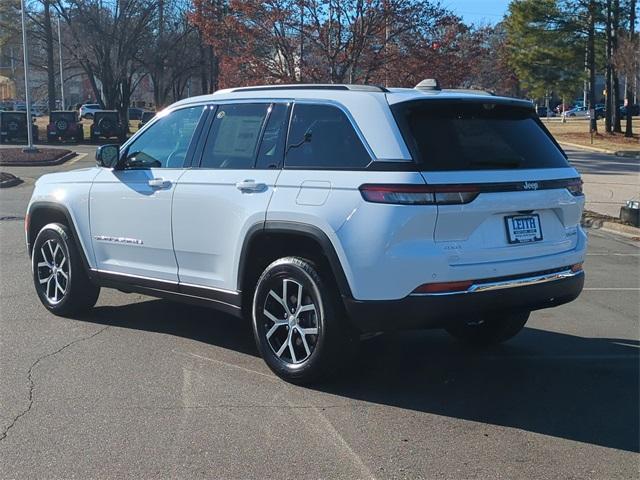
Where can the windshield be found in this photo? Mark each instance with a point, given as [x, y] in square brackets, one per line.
[475, 136]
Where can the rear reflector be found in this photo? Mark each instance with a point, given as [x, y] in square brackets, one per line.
[577, 267]
[419, 194]
[444, 287]
[574, 186]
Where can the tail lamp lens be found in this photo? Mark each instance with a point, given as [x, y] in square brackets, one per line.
[419, 194]
[575, 187]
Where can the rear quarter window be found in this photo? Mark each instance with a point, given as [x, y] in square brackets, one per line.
[476, 136]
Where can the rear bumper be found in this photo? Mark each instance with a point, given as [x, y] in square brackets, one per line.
[523, 293]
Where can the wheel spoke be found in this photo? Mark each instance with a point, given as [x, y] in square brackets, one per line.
[55, 252]
[304, 342]
[59, 287]
[299, 304]
[284, 295]
[43, 264]
[53, 255]
[61, 272]
[44, 257]
[273, 329]
[64, 259]
[273, 318]
[308, 331]
[282, 347]
[49, 287]
[307, 308]
[45, 280]
[280, 301]
[291, 350]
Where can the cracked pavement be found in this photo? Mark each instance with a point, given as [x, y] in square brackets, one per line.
[142, 388]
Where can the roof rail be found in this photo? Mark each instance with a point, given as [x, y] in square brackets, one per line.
[312, 86]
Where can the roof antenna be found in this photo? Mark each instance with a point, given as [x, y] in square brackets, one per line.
[428, 84]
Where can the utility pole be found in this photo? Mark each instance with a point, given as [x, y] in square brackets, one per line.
[30, 147]
[61, 72]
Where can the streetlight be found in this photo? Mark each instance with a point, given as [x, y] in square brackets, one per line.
[30, 147]
[61, 77]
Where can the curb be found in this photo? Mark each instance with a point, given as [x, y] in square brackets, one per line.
[600, 224]
[617, 153]
[10, 182]
[42, 163]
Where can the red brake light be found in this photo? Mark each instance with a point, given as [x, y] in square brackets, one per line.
[419, 194]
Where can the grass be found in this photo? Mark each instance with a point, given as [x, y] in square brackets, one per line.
[577, 131]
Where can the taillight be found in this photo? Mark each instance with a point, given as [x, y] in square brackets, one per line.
[419, 194]
[575, 187]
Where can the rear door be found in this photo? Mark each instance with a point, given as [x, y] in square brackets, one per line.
[227, 193]
[504, 189]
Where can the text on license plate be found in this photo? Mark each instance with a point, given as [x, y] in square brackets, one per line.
[523, 228]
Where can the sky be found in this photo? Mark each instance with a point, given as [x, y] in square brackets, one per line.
[478, 11]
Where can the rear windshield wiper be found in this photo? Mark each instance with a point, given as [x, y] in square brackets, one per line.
[503, 162]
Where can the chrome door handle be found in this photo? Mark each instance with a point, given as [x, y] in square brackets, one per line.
[159, 183]
[250, 186]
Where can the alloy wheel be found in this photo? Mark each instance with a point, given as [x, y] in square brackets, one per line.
[53, 271]
[291, 321]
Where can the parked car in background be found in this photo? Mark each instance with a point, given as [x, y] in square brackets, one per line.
[145, 118]
[106, 124]
[635, 110]
[560, 108]
[88, 110]
[577, 112]
[320, 213]
[13, 127]
[135, 113]
[64, 125]
[544, 112]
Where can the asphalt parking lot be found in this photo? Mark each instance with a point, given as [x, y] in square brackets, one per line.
[144, 388]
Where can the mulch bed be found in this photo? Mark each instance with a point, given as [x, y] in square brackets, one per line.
[617, 139]
[8, 180]
[44, 156]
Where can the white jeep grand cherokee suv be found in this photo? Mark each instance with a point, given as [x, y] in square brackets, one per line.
[322, 212]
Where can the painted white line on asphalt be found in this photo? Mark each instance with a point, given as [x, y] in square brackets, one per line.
[79, 157]
[620, 289]
[188, 354]
[613, 254]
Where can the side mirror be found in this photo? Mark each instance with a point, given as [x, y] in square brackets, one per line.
[107, 156]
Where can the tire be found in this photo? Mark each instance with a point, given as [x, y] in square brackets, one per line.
[307, 344]
[61, 296]
[496, 329]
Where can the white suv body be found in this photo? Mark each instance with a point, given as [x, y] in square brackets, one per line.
[416, 208]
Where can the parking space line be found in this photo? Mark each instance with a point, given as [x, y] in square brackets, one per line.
[613, 254]
[189, 354]
[622, 289]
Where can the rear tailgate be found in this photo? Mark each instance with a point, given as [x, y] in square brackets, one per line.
[521, 198]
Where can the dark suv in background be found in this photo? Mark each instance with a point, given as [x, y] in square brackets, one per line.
[13, 126]
[106, 124]
[64, 125]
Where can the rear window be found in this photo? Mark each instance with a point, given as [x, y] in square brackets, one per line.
[67, 116]
[475, 136]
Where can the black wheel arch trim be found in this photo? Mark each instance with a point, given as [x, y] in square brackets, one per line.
[44, 205]
[296, 228]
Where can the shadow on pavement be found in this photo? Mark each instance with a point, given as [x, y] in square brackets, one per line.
[582, 389]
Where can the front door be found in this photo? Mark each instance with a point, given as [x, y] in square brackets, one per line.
[130, 208]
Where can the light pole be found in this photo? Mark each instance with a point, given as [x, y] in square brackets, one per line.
[61, 76]
[30, 147]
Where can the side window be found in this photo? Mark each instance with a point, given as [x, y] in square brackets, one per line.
[233, 137]
[321, 136]
[272, 144]
[164, 144]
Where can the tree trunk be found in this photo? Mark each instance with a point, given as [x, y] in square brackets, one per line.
[632, 23]
[609, 71]
[615, 91]
[51, 73]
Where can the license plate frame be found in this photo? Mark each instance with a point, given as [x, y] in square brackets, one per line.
[514, 237]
